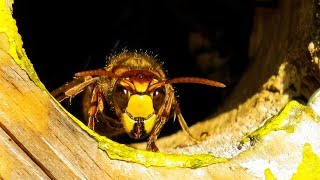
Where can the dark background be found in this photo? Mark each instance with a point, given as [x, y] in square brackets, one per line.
[64, 37]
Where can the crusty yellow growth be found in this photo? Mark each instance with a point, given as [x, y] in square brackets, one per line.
[9, 28]
[269, 175]
[286, 120]
[148, 158]
[309, 167]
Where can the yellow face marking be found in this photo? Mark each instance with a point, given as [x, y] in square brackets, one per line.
[139, 117]
[127, 122]
[149, 123]
[141, 86]
[140, 106]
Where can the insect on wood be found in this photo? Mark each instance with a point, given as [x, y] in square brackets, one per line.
[131, 94]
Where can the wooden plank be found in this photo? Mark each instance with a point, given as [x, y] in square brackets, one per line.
[15, 163]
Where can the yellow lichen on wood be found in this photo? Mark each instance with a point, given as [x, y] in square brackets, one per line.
[287, 120]
[11, 43]
[309, 168]
[268, 174]
[9, 33]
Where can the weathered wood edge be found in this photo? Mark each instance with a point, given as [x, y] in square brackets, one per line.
[18, 163]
